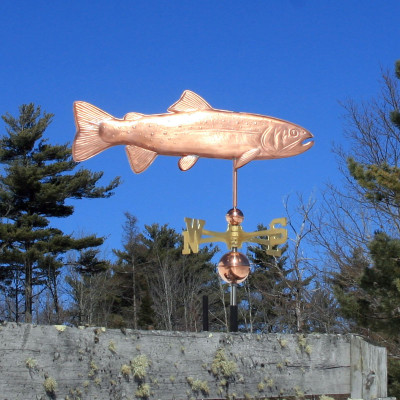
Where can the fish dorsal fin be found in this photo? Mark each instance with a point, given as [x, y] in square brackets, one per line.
[133, 116]
[187, 162]
[246, 157]
[139, 159]
[189, 101]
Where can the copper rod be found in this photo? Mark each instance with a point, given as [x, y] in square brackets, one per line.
[234, 185]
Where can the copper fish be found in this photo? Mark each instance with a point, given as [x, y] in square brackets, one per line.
[191, 129]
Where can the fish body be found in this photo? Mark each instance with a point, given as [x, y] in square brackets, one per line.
[191, 129]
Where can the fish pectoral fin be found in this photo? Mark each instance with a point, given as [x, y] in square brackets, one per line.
[139, 159]
[189, 101]
[247, 157]
[133, 116]
[187, 162]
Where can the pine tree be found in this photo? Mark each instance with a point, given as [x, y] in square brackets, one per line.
[381, 283]
[371, 301]
[132, 303]
[381, 182]
[155, 285]
[369, 296]
[38, 178]
[395, 114]
[279, 294]
[347, 287]
[90, 288]
[266, 290]
[378, 287]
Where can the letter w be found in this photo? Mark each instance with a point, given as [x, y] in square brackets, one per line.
[192, 236]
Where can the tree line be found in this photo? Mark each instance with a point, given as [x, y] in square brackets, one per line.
[338, 273]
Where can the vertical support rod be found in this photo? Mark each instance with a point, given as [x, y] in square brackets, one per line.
[233, 320]
[205, 313]
[233, 310]
[234, 185]
[233, 294]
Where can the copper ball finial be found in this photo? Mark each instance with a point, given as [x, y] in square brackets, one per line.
[234, 216]
[234, 267]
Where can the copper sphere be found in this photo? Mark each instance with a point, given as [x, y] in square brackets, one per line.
[234, 267]
[234, 216]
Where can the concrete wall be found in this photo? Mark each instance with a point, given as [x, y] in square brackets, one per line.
[95, 363]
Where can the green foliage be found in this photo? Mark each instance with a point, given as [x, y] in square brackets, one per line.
[132, 301]
[368, 288]
[395, 114]
[370, 296]
[89, 263]
[394, 377]
[381, 304]
[158, 287]
[276, 292]
[381, 182]
[346, 285]
[38, 181]
[265, 285]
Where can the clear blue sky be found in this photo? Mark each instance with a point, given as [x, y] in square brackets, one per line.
[291, 59]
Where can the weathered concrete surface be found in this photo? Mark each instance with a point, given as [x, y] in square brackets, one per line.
[90, 364]
[368, 370]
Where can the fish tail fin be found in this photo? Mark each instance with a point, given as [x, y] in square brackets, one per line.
[87, 142]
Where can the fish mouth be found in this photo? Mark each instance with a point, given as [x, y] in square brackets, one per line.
[308, 142]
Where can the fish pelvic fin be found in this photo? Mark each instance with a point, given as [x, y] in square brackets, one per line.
[139, 158]
[87, 142]
[187, 162]
[189, 101]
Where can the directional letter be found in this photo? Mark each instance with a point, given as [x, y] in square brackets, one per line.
[192, 236]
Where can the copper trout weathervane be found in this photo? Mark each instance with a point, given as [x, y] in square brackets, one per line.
[192, 129]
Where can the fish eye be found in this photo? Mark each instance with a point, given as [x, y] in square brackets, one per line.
[294, 133]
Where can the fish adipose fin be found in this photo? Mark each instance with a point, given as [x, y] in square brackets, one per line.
[87, 142]
[187, 162]
[139, 159]
[133, 116]
[189, 101]
[247, 157]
